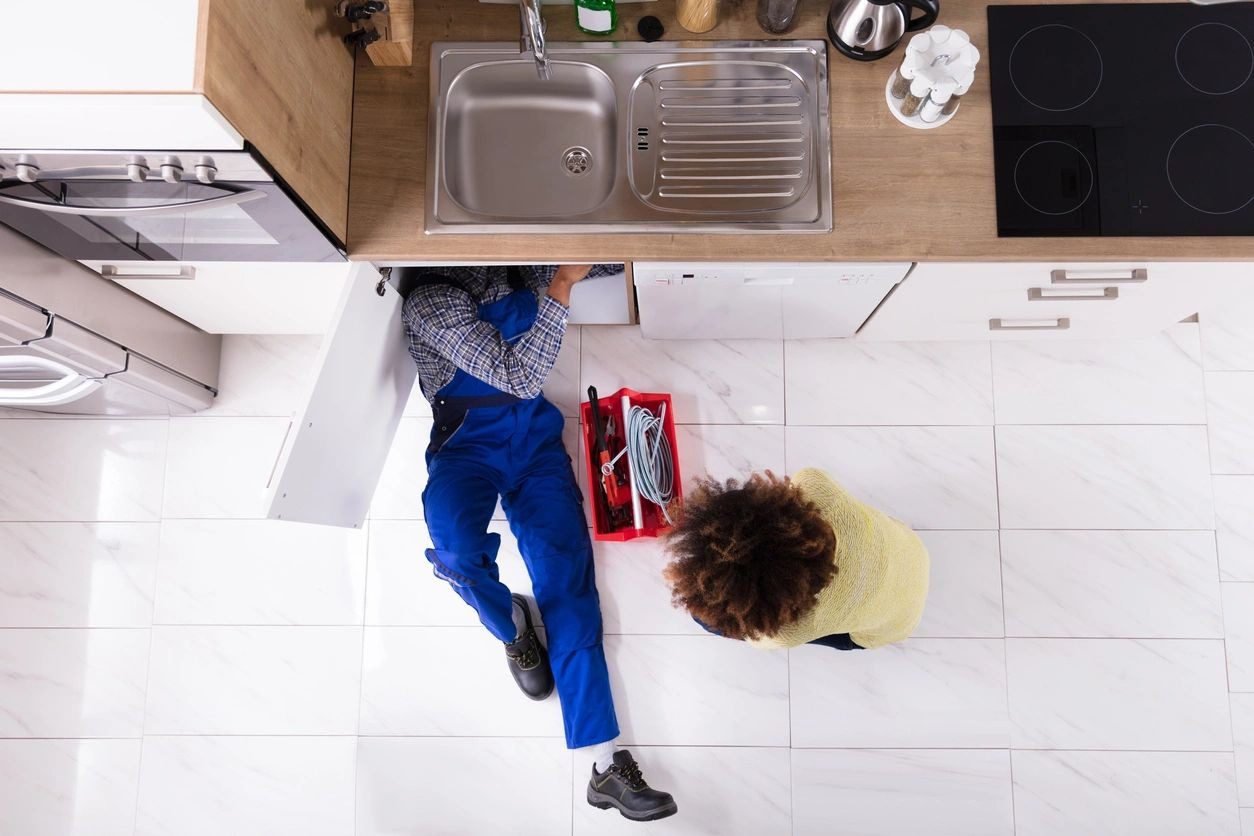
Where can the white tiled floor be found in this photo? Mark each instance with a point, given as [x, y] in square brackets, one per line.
[173, 665]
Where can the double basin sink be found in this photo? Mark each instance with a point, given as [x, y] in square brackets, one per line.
[630, 137]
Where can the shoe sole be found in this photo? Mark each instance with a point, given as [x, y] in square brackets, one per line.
[605, 802]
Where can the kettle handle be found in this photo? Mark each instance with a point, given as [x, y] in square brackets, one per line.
[930, 9]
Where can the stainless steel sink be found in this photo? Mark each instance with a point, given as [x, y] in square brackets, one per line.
[630, 137]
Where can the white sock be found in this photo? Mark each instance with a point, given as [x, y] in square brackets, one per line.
[520, 621]
[602, 754]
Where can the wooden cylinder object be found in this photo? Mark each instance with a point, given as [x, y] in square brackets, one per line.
[697, 15]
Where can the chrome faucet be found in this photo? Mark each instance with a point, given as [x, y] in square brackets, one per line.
[532, 39]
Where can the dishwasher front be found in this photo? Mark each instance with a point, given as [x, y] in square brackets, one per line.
[760, 300]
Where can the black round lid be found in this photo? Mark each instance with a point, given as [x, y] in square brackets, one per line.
[650, 28]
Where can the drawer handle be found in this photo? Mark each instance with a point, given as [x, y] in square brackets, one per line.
[1079, 294]
[180, 272]
[1061, 323]
[1134, 276]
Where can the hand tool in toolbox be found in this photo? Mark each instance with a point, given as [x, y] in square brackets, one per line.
[613, 484]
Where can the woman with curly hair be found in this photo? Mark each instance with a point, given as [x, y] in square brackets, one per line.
[784, 562]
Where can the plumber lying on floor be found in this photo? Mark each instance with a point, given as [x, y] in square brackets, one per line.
[485, 340]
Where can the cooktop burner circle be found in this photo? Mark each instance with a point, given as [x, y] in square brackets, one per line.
[1211, 169]
[1054, 177]
[1056, 67]
[1214, 58]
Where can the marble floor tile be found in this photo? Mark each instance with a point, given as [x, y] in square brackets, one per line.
[446, 681]
[1228, 341]
[265, 374]
[964, 594]
[929, 477]
[727, 451]
[246, 786]
[437, 785]
[888, 792]
[82, 470]
[923, 693]
[399, 493]
[72, 683]
[1151, 381]
[844, 382]
[1234, 523]
[219, 467]
[1243, 744]
[635, 597]
[1104, 477]
[400, 586]
[1118, 694]
[1230, 405]
[68, 787]
[749, 798]
[254, 680]
[685, 690]
[259, 572]
[1239, 633]
[710, 381]
[77, 574]
[1111, 584]
[1124, 792]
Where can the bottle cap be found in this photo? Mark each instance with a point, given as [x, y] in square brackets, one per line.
[650, 28]
[920, 87]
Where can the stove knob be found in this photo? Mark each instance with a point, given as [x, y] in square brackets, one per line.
[27, 172]
[171, 170]
[137, 169]
[206, 171]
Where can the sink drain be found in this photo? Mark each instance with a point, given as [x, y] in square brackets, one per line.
[577, 160]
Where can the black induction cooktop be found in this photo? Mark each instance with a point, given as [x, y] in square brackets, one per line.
[1123, 119]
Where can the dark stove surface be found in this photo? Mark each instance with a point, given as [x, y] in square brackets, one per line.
[1123, 119]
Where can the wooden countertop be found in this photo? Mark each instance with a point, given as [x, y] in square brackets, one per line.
[899, 194]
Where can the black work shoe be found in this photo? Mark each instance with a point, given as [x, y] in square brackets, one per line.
[623, 788]
[528, 660]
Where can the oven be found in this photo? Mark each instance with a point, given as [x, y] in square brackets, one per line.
[159, 206]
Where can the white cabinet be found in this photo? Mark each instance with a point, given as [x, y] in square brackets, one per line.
[1039, 300]
[226, 297]
[109, 76]
[89, 45]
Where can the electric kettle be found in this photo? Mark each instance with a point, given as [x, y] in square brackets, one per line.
[869, 29]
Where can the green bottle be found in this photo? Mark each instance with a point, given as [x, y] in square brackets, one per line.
[596, 17]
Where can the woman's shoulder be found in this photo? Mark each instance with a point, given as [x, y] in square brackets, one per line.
[815, 482]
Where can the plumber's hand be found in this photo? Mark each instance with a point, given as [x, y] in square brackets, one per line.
[564, 279]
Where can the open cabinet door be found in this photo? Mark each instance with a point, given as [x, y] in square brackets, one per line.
[336, 447]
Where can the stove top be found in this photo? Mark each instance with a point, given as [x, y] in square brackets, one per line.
[1123, 119]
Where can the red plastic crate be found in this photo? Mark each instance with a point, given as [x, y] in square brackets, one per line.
[654, 522]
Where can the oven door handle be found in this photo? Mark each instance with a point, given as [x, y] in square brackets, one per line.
[243, 196]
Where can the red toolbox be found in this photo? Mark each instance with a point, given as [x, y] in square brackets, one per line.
[611, 407]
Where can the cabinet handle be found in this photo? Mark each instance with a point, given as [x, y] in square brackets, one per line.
[177, 271]
[1135, 275]
[1061, 323]
[1079, 294]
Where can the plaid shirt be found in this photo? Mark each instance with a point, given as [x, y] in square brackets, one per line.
[446, 333]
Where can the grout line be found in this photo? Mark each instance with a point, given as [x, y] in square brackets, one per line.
[368, 527]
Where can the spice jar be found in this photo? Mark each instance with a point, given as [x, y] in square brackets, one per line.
[919, 89]
[777, 16]
[697, 15]
[964, 84]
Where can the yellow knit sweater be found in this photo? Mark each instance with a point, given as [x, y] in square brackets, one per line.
[880, 586]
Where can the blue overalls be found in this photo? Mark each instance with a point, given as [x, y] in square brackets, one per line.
[486, 443]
